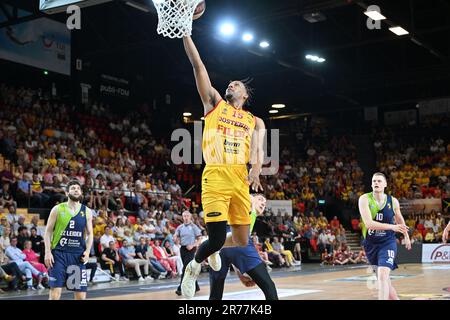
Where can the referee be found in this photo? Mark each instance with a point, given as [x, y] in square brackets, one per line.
[189, 235]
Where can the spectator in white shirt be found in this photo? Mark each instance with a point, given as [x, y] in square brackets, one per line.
[107, 238]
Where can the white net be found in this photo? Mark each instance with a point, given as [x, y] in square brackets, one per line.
[175, 17]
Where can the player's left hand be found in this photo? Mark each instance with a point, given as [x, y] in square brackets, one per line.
[85, 257]
[253, 181]
[408, 244]
[247, 281]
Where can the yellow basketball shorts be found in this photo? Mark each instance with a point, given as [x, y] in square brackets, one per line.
[225, 194]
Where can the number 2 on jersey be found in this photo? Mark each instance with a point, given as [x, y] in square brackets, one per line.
[72, 224]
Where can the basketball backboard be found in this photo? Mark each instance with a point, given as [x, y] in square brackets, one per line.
[56, 6]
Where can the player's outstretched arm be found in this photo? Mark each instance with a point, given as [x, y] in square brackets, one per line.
[48, 259]
[366, 215]
[401, 221]
[210, 97]
[257, 155]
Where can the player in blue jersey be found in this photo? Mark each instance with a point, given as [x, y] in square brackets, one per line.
[66, 248]
[382, 218]
[245, 260]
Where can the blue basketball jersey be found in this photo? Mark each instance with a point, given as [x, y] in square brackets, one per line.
[385, 214]
[70, 236]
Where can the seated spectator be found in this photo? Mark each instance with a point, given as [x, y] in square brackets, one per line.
[110, 260]
[119, 229]
[342, 255]
[417, 237]
[99, 225]
[171, 253]
[335, 223]
[106, 238]
[22, 237]
[12, 216]
[11, 269]
[3, 224]
[55, 191]
[323, 242]
[38, 197]
[264, 256]
[340, 237]
[356, 225]
[18, 224]
[360, 257]
[5, 240]
[33, 259]
[40, 230]
[274, 256]
[162, 257]
[144, 251]
[326, 258]
[128, 255]
[429, 236]
[127, 236]
[6, 199]
[149, 228]
[37, 242]
[5, 276]
[16, 255]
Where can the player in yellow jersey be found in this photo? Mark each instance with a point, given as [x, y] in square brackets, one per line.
[232, 138]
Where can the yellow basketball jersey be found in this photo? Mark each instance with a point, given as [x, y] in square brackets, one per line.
[227, 135]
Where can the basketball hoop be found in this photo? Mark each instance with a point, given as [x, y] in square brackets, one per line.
[175, 17]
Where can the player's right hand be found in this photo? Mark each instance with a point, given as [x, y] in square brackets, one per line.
[253, 181]
[401, 228]
[48, 260]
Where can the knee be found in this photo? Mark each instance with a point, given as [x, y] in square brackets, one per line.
[240, 241]
[383, 275]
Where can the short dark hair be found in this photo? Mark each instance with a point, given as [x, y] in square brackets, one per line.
[72, 183]
[21, 229]
[33, 228]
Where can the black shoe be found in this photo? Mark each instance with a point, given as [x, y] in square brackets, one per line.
[178, 292]
[197, 289]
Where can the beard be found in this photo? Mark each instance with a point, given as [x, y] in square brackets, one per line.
[74, 198]
[228, 96]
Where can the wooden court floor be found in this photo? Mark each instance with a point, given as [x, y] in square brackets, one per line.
[412, 281]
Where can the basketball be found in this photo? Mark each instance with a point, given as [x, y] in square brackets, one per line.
[199, 10]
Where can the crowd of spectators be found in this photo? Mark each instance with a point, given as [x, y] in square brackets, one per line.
[416, 167]
[425, 228]
[136, 192]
